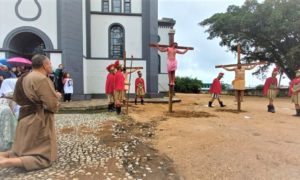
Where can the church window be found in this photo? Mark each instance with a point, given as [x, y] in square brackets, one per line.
[105, 5]
[116, 6]
[117, 43]
[127, 6]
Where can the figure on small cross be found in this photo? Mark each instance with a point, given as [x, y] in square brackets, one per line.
[239, 80]
[172, 62]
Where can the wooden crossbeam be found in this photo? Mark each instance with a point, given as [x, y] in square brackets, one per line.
[234, 65]
[134, 68]
[166, 46]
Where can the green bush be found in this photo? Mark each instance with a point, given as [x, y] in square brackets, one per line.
[259, 87]
[187, 85]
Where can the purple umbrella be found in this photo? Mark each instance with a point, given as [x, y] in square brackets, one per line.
[19, 61]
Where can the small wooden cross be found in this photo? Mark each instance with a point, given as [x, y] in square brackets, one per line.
[137, 68]
[239, 66]
[171, 42]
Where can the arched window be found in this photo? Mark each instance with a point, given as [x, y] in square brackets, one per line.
[116, 6]
[127, 6]
[117, 41]
[105, 5]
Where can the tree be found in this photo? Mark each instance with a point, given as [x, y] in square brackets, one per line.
[269, 31]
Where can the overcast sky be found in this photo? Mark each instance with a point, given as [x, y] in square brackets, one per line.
[201, 62]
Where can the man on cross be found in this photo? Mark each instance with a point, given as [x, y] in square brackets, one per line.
[172, 62]
[239, 80]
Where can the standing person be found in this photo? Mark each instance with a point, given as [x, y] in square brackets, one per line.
[68, 87]
[172, 62]
[34, 145]
[139, 88]
[119, 87]
[215, 90]
[270, 89]
[110, 86]
[59, 78]
[4, 71]
[295, 92]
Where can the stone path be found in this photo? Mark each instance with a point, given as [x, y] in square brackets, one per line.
[100, 146]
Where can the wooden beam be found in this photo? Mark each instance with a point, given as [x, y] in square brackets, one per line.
[134, 68]
[234, 65]
[166, 46]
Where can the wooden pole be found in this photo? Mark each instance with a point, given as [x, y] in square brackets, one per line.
[239, 93]
[127, 102]
[171, 87]
[239, 104]
[171, 91]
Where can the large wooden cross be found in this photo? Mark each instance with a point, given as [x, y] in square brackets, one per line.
[171, 42]
[239, 65]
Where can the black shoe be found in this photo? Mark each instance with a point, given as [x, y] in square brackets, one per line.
[118, 110]
[221, 104]
[142, 101]
[110, 108]
[298, 112]
[135, 101]
[272, 110]
[269, 108]
[209, 104]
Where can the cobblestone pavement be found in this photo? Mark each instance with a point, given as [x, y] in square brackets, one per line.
[101, 146]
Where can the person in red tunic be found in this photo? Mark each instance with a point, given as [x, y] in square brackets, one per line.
[215, 90]
[119, 87]
[270, 89]
[295, 92]
[139, 88]
[110, 87]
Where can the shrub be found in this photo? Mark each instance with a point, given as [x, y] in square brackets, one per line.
[187, 85]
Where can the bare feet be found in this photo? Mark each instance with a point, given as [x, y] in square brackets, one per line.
[4, 155]
[10, 162]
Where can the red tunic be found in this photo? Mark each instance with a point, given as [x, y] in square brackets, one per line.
[269, 82]
[119, 81]
[139, 81]
[110, 83]
[294, 82]
[216, 87]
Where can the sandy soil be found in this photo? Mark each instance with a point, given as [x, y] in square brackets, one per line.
[219, 143]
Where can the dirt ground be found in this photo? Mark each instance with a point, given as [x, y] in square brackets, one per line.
[219, 143]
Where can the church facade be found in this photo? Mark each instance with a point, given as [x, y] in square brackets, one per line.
[85, 36]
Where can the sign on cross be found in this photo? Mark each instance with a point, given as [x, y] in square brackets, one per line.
[239, 81]
[172, 50]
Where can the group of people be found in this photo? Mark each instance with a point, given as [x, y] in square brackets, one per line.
[117, 85]
[270, 88]
[63, 82]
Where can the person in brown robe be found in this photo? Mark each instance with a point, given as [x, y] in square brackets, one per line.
[35, 144]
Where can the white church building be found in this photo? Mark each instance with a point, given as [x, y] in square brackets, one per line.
[86, 36]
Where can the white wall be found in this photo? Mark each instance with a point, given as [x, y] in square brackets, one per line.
[46, 23]
[96, 5]
[99, 34]
[95, 75]
[136, 6]
[56, 59]
[163, 82]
